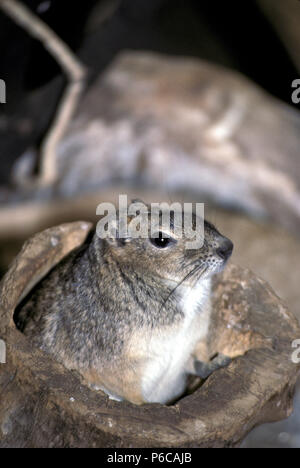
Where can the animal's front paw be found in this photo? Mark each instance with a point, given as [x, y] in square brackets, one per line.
[205, 369]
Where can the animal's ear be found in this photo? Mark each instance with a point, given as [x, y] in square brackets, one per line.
[107, 228]
[117, 242]
[114, 239]
[117, 234]
[112, 227]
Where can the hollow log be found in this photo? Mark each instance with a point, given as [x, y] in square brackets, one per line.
[42, 404]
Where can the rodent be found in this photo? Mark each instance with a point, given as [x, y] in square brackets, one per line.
[129, 314]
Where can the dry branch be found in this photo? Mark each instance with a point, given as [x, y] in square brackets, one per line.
[70, 65]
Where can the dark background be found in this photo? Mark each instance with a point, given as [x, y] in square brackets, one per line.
[232, 33]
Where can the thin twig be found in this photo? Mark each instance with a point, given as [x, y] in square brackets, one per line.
[74, 71]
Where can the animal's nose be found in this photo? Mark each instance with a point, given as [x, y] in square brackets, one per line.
[225, 249]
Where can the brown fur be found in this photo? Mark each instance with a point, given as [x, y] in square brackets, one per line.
[116, 311]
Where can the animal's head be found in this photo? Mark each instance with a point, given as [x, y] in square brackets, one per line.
[160, 245]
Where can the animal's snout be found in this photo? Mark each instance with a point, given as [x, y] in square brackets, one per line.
[225, 249]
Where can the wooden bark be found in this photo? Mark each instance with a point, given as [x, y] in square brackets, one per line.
[44, 405]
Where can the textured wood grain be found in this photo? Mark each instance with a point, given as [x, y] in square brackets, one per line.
[44, 405]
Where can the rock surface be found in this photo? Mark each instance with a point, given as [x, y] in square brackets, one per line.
[43, 405]
[176, 124]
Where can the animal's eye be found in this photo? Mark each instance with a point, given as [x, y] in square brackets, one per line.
[161, 241]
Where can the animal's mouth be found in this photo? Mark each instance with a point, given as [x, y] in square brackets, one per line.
[219, 267]
[225, 262]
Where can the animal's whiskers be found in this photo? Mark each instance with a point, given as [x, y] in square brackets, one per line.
[188, 276]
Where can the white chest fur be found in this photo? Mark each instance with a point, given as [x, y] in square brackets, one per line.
[169, 350]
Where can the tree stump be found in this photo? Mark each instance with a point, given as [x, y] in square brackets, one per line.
[42, 404]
